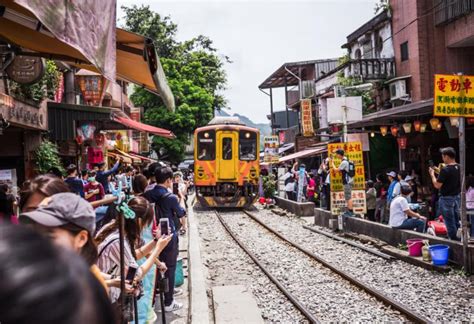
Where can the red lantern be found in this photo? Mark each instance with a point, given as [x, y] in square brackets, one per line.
[79, 139]
[470, 121]
[402, 142]
[394, 130]
[417, 125]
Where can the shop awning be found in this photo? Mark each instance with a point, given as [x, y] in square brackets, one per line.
[302, 154]
[117, 156]
[136, 57]
[124, 154]
[143, 127]
[63, 119]
[144, 158]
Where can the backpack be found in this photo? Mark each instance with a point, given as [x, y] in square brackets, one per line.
[352, 171]
[174, 217]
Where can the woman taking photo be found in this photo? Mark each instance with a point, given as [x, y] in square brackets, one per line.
[135, 249]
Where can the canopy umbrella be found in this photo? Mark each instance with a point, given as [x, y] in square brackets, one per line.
[134, 57]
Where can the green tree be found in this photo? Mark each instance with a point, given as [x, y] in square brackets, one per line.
[195, 73]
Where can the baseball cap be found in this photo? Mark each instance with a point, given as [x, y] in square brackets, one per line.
[392, 174]
[408, 178]
[61, 209]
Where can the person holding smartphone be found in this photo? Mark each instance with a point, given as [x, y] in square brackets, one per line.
[167, 206]
[109, 245]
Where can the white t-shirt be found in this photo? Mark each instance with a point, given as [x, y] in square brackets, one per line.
[397, 211]
[290, 186]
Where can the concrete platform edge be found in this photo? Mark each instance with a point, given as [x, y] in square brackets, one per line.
[199, 312]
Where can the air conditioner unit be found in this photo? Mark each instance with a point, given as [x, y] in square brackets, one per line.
[308, 88]
[398, 90]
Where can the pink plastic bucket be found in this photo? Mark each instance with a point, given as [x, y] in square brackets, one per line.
[414, 246]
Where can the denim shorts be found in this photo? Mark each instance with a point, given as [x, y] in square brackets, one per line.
[347, 191]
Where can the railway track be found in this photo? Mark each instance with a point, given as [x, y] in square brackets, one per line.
[315, 264]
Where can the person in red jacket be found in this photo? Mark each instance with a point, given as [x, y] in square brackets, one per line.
[93, 190]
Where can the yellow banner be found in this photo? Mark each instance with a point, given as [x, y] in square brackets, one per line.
[453, 95]
[307, 117]
[353, 152]
[270, 144]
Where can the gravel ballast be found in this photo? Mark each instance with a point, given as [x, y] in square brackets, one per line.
[325, 294]
[228, 264]
[439, 297]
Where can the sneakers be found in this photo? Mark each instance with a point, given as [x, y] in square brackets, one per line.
[173, 307]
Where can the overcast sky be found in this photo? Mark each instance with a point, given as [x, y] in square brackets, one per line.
[259, 36]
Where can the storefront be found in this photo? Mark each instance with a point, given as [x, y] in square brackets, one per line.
[21, 130]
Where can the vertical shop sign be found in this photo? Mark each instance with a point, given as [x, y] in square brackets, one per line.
[270, 153]
[353, 152]
[307, 117]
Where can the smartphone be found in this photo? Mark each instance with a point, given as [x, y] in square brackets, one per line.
[175, 188]
[132, 271]
[431, 163]
[164, 226]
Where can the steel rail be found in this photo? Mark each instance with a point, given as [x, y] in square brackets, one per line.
[288, 295]
[409, 313]
[351, 243]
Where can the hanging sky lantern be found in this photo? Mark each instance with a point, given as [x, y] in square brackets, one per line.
[434, 122]
[383, 130]
[407, 128]
[402, 142]
[423, 127]
[417, 125]
[394, 130]
[454, 121]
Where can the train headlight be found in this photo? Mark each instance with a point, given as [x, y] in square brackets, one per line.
[247, 135]
[206, 135]
[200, 173]
[253, 173]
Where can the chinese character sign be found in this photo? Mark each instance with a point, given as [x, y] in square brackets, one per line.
[270, 153]
[454, 95]
[353, 151]
[307, 117]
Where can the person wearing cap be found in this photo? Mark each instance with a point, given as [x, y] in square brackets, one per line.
[393, 188]
[69, 221]
[74, 183]
[449, 185]
[347, 181]
[103, 175]
[412, 183]
[400, 210]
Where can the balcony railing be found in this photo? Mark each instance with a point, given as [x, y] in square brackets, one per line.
[450, 10]
[371, 69]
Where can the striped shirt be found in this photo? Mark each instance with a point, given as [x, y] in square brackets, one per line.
[109, 259]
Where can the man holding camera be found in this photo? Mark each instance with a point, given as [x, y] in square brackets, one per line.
[449, 185]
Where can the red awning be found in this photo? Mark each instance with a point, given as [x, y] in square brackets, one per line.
[143, 127]
[302, 154]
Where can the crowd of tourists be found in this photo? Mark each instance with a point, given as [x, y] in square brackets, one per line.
[393, 198]
[55, 218]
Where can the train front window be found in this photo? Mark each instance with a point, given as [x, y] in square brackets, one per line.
[247, 146]
[227, 148]
[206, 143]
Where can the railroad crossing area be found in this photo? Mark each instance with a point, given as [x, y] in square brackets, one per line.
[263, 266]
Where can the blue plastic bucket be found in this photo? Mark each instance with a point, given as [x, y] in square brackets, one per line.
[439, 254]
